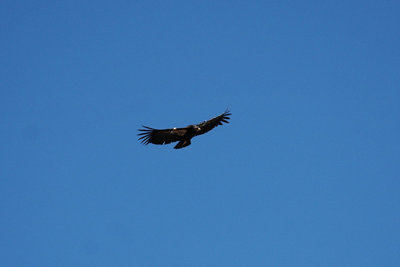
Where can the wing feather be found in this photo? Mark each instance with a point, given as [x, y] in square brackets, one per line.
[214, 122]
[160, 137]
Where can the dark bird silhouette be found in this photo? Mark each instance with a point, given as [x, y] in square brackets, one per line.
[183, 135]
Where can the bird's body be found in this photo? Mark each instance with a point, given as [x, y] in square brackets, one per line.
[183, 135]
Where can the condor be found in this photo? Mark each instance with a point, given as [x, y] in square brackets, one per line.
[183, 135]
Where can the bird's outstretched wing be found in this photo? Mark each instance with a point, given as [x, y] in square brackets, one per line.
[160, 137]
[214, 122]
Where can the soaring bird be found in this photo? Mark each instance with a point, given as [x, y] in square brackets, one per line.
[183, 135]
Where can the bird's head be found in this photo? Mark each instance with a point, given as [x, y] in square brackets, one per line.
[196, 128]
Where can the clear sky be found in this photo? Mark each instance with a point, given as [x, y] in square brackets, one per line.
[307, 172]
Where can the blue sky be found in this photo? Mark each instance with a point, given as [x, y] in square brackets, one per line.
[305, 174]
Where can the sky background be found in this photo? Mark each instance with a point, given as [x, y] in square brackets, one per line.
[307, 172]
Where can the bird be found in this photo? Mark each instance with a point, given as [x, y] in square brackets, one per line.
[183, 135]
